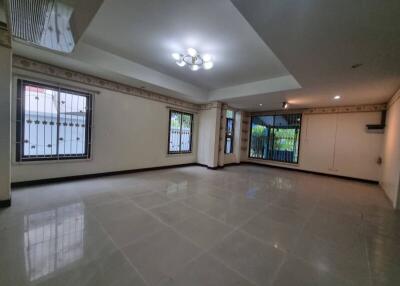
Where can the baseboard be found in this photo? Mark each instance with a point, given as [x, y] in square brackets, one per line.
[208, 167]
[5, 203]
[95, 175]
[311, 172]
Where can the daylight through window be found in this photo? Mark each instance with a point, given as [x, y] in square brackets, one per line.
[52, 123]
[229, 131]
[275, 137]
[180, 132]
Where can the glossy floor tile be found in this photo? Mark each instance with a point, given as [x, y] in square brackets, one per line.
[242, 225]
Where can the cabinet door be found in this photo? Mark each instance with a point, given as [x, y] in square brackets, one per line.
[356, 150]
[318, 142]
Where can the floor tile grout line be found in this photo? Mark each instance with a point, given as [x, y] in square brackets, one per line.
[207, 251]
[286, 257]
[214, 218]
[368, 261]
[172, 227]
[122, 252]
[201, 252]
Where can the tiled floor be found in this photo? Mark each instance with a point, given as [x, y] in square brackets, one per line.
[242, 225]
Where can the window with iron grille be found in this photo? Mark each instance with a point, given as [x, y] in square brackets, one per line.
[229, 131]
[180, 132]
[53, 123]
[275, 137]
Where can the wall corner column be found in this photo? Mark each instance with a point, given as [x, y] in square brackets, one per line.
[5, 118]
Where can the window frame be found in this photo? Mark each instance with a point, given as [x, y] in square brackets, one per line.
[180, 135]
[232, 133]
[20, 119]
[273, 127]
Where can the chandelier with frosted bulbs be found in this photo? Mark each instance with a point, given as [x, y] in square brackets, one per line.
[193, 60]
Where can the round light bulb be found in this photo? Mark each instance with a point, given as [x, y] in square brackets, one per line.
[195, 67]
[181, 63]
[176, 56]
[192, 52]
[208, 65]
[337, 97]
[206, 58]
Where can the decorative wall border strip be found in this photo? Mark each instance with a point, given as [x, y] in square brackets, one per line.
[66, 74]
[394, 98]
[215, 104]
[348, 109]
[277, 112]
[55, 71]
[321, 110]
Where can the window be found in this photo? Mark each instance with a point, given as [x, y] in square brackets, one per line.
[53, 123]
[275, 137]
[180, 132]
[229, 131]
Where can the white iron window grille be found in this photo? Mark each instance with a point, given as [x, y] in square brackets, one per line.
[53, 123]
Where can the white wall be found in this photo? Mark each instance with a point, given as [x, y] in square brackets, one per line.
[209, 122]
[5, 108]
[390, 181]
[339, 144]
[128, 133]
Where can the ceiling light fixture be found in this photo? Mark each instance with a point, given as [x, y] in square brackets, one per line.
[194, 60]
[176, 56]
[336, 97]
[260, 104]
[285, 105]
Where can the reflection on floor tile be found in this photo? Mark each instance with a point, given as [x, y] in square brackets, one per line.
[242, 225]
[161, 255]
[203, 230]
[257, 261]
[206, 271]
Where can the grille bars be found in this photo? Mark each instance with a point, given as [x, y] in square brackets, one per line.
[52, 123]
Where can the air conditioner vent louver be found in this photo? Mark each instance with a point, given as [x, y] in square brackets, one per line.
[29, 18]
[44, 23]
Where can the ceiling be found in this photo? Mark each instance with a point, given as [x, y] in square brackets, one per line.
[265, 51]
[319, 41]
[148, 32]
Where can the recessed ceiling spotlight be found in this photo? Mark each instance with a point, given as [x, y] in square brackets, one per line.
[260, 104]
[194, 60]
[337, 97]
[285, 105]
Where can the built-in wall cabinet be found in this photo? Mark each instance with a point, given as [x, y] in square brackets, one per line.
[340, 144]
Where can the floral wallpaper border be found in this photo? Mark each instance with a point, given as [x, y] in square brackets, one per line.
[62, 73]
[66, 74]
[319, 110]
[394, 98]
[347, 109]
